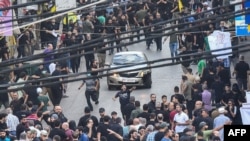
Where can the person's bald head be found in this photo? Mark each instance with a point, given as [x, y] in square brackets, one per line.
[65, 125]
[136, 121]
[198, 104]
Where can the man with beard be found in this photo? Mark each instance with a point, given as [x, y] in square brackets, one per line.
[3, 136]
[16, 103]
[152, 103]
[21, 127]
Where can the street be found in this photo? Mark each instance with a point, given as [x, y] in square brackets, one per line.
[164, 79]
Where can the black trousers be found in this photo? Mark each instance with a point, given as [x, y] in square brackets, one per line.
[190, 107]
[74, 65]
[89, 58]
[21, 52]
[92, 95]
[56, 94]
[158, 42]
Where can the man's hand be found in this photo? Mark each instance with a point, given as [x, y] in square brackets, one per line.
[114, 98]
[110, 131]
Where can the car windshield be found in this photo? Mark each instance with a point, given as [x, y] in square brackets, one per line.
[125, 59]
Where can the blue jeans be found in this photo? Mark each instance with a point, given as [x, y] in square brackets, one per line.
[173, 49]
[226, 62]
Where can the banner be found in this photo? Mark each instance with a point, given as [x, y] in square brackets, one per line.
[245, 114]
[220, 40]
[247, 8]
[241, 28]
[6, 15]
[65, 4]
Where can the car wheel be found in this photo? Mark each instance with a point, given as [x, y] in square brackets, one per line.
[148, 81]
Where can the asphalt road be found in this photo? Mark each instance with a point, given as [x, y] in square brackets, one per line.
[164, 79]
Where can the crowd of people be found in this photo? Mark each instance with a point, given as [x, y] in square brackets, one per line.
[197, 110]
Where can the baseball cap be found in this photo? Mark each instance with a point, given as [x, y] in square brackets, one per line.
[163, 125]
[54, 116]
[202, 124]
[23, 116]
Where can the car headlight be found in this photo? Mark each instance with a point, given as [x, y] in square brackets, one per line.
[115, 74]
[141, 74]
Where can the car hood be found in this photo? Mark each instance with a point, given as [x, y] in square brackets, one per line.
[139, 67]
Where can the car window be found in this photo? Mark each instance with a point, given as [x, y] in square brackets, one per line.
[125, 59]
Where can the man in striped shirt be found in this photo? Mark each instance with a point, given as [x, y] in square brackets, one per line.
[12, 122]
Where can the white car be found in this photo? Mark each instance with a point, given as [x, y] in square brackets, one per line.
[126, 75]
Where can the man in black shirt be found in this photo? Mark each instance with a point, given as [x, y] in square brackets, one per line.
[23, 40]
[157, 30]
[177, 95]
[57, 88]
[21, 127]
[161, 132]
[31, 93]
[241, 70]
[110, 30]
[184, 63]
[129, 108]
[4, 52]
[4, 97]
[87, 114]
[19, 71]
[124, 97]
[89, 58]
[152, 103]
[102, 129]
[52, 29]
[145, 113]
[3, 124]
[57, 131]
[102, 114]
[123, 23]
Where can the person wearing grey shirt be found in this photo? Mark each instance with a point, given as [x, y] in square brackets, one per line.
[92, 85]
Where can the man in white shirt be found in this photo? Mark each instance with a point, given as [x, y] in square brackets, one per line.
[181, 120]
[12, 121]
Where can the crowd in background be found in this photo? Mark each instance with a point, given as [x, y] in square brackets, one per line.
[198, 109]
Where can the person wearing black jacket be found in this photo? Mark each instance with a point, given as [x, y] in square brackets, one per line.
[4, 97]
[129, 108]
[89, 57]
[158, 26]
